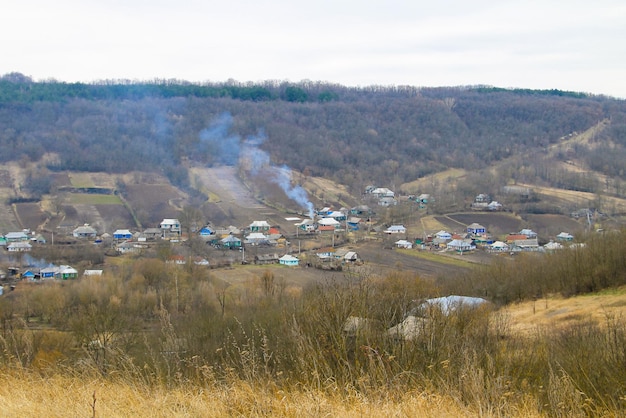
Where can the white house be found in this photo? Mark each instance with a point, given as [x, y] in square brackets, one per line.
[565, 236]
[288, 260]
[85, 231]
[476, 228]
[404, 244]
[170, 228]
[499, 246]
[461, 245]
[326, 224]
[553, 246]
[443, 235]
[19, 246]
[395, 229]
[256, 238]
[16, 236]
[529, 233]
[382, 192]
[259, 226]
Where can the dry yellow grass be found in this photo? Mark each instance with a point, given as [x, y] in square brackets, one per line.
[576, 197]
[318, 187]
[431, 225]
[24, 394]
[555, 312]
[417, 186]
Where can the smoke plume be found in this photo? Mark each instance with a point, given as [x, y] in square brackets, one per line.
[230, 149]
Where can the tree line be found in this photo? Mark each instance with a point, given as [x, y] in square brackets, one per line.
[357, 136]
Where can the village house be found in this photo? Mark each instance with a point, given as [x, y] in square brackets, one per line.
[266, 259]
[482, 198]
[460, 245]
[565, 236]
[328, 225]
[553, 246]
[354, 223]
[443, 235]
[361, 210]
[230, 230]
[381, 192]
[16, 237]
[395, 229]
[288, 260]
[346, 255]
[149, 234]
[122, 234]
[85, 232]
[520, 242]
[48, 272]
[67, 272]
[127, 247]
[476, 229]
[498, 247]
[324, 211]
[230, 241]
[326, 253]
[19, 246]
[257, 238]
[404, 244]
[337, 215]
[170, 228]
[529, 233]
[259, 226]
[307, 225]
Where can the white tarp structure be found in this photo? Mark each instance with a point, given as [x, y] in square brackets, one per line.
[419, 320]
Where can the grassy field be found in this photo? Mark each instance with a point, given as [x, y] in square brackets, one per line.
[81, 180]
[53, 391]
[419, 185]
[24, 394]
[93, 199]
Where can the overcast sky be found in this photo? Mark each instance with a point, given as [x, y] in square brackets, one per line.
[569, 45]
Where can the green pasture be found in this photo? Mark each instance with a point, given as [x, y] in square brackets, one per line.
[93, 199]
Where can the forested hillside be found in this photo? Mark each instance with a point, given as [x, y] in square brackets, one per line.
[380, 135]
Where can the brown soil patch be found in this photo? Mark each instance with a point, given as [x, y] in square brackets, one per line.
[115, 216]
[496, 223]
[30, 215]
[154, 202]
[549, 226]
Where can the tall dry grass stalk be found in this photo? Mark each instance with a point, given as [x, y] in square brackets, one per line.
[27, 394]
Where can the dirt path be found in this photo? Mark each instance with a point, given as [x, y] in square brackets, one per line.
[224, 182]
